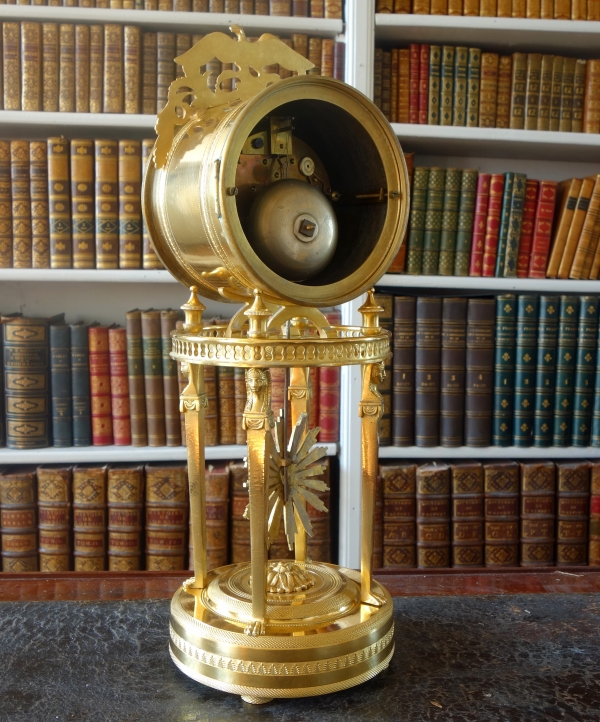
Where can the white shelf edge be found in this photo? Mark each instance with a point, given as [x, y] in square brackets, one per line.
[92, 275]
[23, 123]
[489, 285]
[174, 21]
[434, 453]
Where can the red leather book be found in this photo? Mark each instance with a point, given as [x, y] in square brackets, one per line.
[423, 84]
[329, 394]
[594, 533]
[102, 433]
[542, 229]
[413, 88]
[479, 224]
[119, 386]
[492, 224]
[527, 227]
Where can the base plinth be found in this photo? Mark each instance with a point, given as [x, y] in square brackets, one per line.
[315, 641]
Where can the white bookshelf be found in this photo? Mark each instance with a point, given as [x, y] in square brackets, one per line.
[84, 275]
[442, 453]
[39, 124]
[479, 284]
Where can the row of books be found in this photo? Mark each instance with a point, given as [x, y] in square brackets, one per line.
[460, 86]
[545, 9]
[87, 384]
[505, 370]
[497, 514]
[278, 8]
[128, 517]
[116, 68]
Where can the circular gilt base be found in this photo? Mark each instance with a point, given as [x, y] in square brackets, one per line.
[298, 654]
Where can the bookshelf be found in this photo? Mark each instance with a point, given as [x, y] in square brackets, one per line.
[28, 124]
[479, 284]
[442, 453]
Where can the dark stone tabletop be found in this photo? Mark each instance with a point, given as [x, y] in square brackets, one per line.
[477, 659]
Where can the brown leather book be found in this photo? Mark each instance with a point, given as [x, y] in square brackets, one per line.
[518, 8]
[66, 72]
[333, 9]
[594, 535]
[165, 67]
[588, 239]
[518, 87]
[54, 518]
[102, 431]
[567, 196]
[18, 519]
[166, 516]
[591, 109]
[82, 203]
[533, 9]
[125, 498]
[427, 370]
[299, 43]
[532, 90]
[107, 203]
[538, 490]
[318, 546]
[239, 385]
[543, 121]
[403, 371]
[89, 517]
[501, 496]
[40, 221]
[168, 321]
[377, 558]
[132, 63]
[82, 69]
[467, 514]
[31, 64]
[149, 78]
[226, 394]
[386, 321]
[566, 97]
[488, 90]
[211, 413]
[579, 214]
[130, 211]
[433, 516]
[399, 510]
[572, 512]
[452, 384]
[59, 199]
[327, 57]
[50, 70]
[503, 97]
[315, 48]
[135, 368]
[21, 203]
[479, 383]
[578, 96]
[5, 206]
[11, 65]
[149, 257]
[113, 68]
[562, 9]
[183, 42]
[153, 377]
[119, 386]
[96, 68]
[217, 517]
[557, 73]
[240, 526]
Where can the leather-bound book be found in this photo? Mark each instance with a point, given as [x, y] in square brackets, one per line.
[377, 558]
[538, 491]
[317, 8]
[517, 98]
[315, 49]
[328, 59]
[318, 546]
[5, 206]
[533, 9]
[102, 430]
[299, 43]
[591, 109]
[166, 516]
[11, 65]
[40, 223]
[132, 51]
[333, 9]
[60, 385]
[339, 63]
[399, 263]
[386, 321]
[168, 320]
[527, 227]
[239, 385]
[386, 86]
[449, 221]
[277, 390]
[566, 96]
[107, 204]
[473, 83]
[427, 370]
[568, 323]
[18, 519]
[49, 66]
[504, 370]
[519, 8]
[59, 200]
[89, 517]
[466, 213]
[479, 382]
[453, 364]
[211, 413]
[574, 232]
[433, 515]
[594, 535]
[423, 84]
[587, 242]
[532, 90]
[54, 517]
[455, 7]
[153, 377]
[555, 98]
[595, 433]
[471, 7]
[329, 403]
[585, 370]
[467, 514]
[435, 60]
[26, 382]
[66, 73]
[413, 87]
[82, 203]
[572, 512]
[433, 221]
[399, 514]
[119, 386]
[130, 212]
[217, 517]
[501, 497]
[200, 6]
[503, 99]
[80, 386]
[165, 67]
[96, 68]
[31, 57]
[545, 379]
[184, 6]
[593, 10]
[125, 497]
[543, 116]
[517, 202]
[578, 96]
[240, 526]
[149, 77]
[525, 368]
[492, 225]
[542, 229]
[113, 69]
[21, 203]
[149, 257]
[416, 233]
[488, 90]
[567, 197]
[479, 224]
[459, 102]
[82, 69]
[509, 179]
[403, 374]
[226, 393]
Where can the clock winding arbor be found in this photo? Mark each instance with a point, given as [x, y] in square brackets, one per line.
[281, 195]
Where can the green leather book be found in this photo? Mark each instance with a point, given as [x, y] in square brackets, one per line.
[449, 221]
[60, 384]
[504, 370]
[435, 57]
[585, 370]
[545, 378]
[459, 104]
[447, 85]
[433, 221]
[473, 77]
[504, 219]
[514, 226]
[416, 228]
[466, 212]
[525, 366]
[565, 370]
[595, 437]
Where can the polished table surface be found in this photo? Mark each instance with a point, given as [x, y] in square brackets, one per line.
[459, 658]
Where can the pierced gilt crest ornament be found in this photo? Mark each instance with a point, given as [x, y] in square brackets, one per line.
[283, 196]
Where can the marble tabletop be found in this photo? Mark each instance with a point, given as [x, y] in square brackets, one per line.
[460, 659]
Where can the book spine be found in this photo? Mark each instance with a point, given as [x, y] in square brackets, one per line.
[533, 9]
[433, 221]
[339, 61]
[217, 505]
[538, 487]
[557, 73]
[59, 201]
[107, 204]
[21, 203]
[413, 95]
[427, 371]
[211, 415]
[467, 515]
[102, 430]
[149, 257]
[455, 7]
[459, 102]
[166, 516]
[545, 381]
[479, 224]
[525, 369]
[501, 500]
[239, 381]
[399, 515]
[572, 513]
[591, 108]
[386, 321]
[132, 50]
[593, 10]
[504, 88]
[149, 73]
[416, 234]
[595, 434]
[240, 527]
[566, 95]
[517, 98]
[60, 385]
[471, 8]
[82, 203]
[509, 179]
[54, 518]
[504, 370]
[89, 518]
[153, 378]
[578, 96]
[464, 231]
[130, 213]
[594, 534]
[588, 239]
[435, 59]
[527, 227]
[125, 496]
[119, 386]
[40, 224]
[585, 370]
[433, 516]
[82, 69]
[532, 90]
[327, 65]
[492, 226]
[473, 83]
[50, 66]
[567, 197]
[479, 371]
[386, 81]
[135, 370]
[447, 84]
[423, 83]
[5, 206]
[226, 393]
[80, 386]
[542, 229]
[403, 377]
[329, 404]
[565, 370]
[18, 521]
[453, 364]
[577, 222]
[11, 65]
[543, 119]
[96, 68]
[515, 221]
[31, 63]
[113, 69]
[488, 90]
[66, 71]
[168, 320]
[449, 221]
